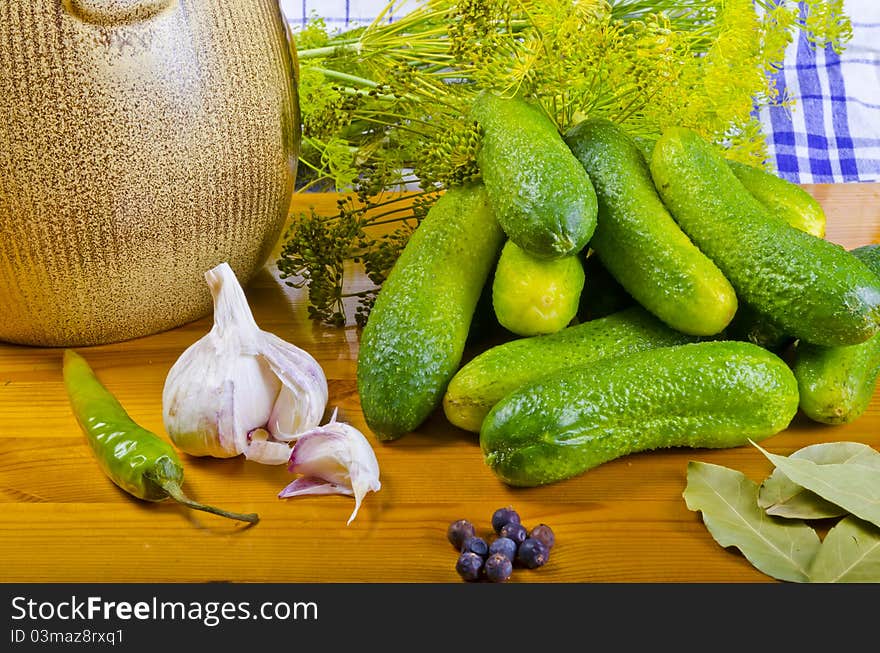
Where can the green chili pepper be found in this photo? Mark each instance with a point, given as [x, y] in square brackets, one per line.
[135, 459]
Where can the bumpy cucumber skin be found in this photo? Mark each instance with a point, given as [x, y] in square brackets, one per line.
[799, 209]
[812, 288]
[783, 198]
[542, 196]
[870, 256]
[415, 335]
[501, 369]
[837, 383]
[533, 296]
[712, 394]
[640, 243]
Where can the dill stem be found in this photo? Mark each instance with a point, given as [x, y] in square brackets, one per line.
[398, 116]
[350, 45]
[424, 56]
[394, 125]
[369, 222]
[442, 71]
[400, 28]
[408, 197]
[362, 93]
[373, 219]
[402, 197]
[362, 293]
[425, 92]
[400, 219]
[632, 107]
[314, 182]
[380, 18]
[319, 145]
[345, 77]
[415, 18]
[319, 171]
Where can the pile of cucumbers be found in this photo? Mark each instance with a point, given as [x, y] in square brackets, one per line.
[718, 271]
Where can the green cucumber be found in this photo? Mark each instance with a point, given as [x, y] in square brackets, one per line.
[799, 209]
[501, 369]
[533, 296]
[544, 199]
[837, 383]
[415, 335]
[812, 288]
[782, 198]
[712, 394]
[640, 243]
[870, 256]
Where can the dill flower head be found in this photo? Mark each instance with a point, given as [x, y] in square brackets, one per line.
[389, 102]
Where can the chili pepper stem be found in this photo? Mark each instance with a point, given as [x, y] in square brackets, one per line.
[175, 492]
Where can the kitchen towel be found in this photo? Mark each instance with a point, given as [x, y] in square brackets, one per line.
[830, 134]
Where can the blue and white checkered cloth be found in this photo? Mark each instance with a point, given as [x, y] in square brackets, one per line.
[832, 134]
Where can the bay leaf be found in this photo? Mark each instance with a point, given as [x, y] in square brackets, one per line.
[782, 497]
[850, 553]
[855, 488]
[728, 501]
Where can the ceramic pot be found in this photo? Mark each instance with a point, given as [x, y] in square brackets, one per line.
[142, 142]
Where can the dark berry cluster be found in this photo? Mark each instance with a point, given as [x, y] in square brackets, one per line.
[512, 545]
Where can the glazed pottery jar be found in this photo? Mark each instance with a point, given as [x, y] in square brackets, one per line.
[142, 142]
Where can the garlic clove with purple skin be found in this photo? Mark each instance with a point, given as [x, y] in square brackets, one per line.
[311, 485]
[238, 380]
[333, 459]
[290, 415]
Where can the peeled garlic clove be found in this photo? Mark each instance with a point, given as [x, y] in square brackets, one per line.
[334, 459]
[238, 378]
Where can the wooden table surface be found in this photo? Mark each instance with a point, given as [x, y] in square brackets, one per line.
[625, 521]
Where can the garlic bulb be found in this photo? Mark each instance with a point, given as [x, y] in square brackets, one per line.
[333, 459]
[239, 389]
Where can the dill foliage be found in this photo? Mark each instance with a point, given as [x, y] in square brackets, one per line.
[387, 104]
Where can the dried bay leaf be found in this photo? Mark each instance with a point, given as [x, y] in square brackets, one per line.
[855, 488]
[850, 553]
[728, 501]
[782, 497]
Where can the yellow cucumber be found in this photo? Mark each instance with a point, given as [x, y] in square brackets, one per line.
[533, 296]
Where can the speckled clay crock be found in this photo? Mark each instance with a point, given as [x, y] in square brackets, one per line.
[142, 142]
